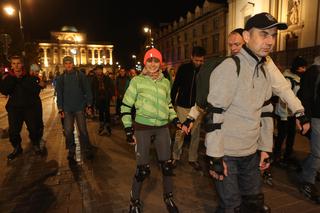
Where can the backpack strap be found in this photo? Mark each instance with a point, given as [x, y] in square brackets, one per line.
[237, 61]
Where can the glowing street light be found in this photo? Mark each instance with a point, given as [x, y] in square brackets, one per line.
[147, 30]
[10, 11]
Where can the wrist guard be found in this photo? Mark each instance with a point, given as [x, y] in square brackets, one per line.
[129, 134]
[176, 122]
[302, 118]
[188, 121]
[216, 165]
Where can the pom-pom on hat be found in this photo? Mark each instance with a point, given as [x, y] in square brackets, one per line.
[152, 53]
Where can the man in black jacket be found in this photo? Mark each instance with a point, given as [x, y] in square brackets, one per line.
[183, 94]
[23, 92]
[309, 94]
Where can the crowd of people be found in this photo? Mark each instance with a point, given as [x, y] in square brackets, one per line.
[236, 111]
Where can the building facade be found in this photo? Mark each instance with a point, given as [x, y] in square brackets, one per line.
[302, 16]
[70, 42]
[205, 27]
[209, 25]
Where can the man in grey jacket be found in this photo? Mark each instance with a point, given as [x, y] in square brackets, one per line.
[233, 145]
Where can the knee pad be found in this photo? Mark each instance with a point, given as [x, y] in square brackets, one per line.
[252, 203]
[142, 172]
[166, 167]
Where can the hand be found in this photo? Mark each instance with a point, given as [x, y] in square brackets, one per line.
[264, 160]
[218, 168]
[89, 110]
[131, 139]
[42, 84]
[61, 113]
[187, 125]
[302, 122]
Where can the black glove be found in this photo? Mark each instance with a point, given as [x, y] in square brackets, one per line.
[176, 122]
[129, 134]
[188, 122]
[216, 165]
[302, 118]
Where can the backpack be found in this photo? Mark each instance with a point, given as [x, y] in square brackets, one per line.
[203, 78]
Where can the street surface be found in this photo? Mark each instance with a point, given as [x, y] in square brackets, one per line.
[48, 183]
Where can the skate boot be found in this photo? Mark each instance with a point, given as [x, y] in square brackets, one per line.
[171, 206]
[135, 206]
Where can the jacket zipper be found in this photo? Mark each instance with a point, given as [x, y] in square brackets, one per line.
[194, 72]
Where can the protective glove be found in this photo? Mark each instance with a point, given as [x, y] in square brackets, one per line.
[177, 122]
[129, 133]
[188, 122]
[216, 165]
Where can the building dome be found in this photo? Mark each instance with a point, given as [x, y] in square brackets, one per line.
[69, 29]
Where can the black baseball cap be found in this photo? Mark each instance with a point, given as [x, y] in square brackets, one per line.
[264, 21]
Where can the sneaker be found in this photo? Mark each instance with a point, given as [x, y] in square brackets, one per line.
[195, 165]
[310, 191]
[16, 152]
[135, 206]
[171, 206]
[108, 130]
[37, 149]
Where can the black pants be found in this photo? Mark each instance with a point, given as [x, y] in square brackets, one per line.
[118, 106]
[286, 130]
[16, 117]
[103, 105]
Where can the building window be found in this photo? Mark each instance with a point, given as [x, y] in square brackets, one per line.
[186, 51]
[185, 36]
[215, 42]
[194, 33]
[204, 43]
[178, 39]
[194, 43]
[216, 23]
[179, 53]
[168, 44]
[204, 29]
[172, 54]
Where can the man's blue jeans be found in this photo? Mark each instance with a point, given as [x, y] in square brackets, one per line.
[312, 163]
[243, 180]
[79, 117]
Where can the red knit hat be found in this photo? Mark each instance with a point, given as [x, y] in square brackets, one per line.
[152, 53]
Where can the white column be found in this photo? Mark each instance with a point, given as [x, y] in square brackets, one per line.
[110, 58]
[99, 58]
[45, 61]
[92, 58]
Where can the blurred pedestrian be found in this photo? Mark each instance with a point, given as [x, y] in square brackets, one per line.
[103, 90]
[73, 98]
[183, 96]
[22, 106]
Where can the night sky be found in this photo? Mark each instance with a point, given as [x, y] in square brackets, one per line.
[118, 22]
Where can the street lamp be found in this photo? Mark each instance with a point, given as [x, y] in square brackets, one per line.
[134, 57]
[147, 30]
[10, 11]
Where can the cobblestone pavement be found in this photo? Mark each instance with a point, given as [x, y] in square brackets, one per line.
[32, 183]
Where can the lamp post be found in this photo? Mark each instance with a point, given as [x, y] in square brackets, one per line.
[10, 11]
[147, 30]
[134, 57]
